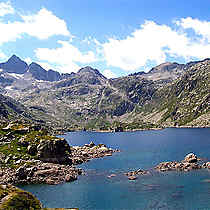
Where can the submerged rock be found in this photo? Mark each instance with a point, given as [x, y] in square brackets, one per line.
[132, 175]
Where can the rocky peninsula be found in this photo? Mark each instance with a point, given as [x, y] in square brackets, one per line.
[29, 154]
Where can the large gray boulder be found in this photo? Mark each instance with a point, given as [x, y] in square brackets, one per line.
[54, 151]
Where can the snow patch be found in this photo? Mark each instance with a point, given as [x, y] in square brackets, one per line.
[8, 88]
[16, 76]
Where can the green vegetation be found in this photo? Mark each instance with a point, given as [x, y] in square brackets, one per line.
[17, 199]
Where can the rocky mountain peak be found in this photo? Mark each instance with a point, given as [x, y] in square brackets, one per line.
[91, 70]
[14, 65]
[168, 66]
[37, 71]
[40, 73]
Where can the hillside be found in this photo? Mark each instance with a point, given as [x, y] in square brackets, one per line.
[170, 94]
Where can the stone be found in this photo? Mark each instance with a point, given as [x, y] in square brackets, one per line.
[118, 129]
[111, 175]
[103, 149]
[14, 198]
[132, 177]
[70, 178]
[32, 149]
[21, 172]
[91, 144]
[54, 151]
[191, 158]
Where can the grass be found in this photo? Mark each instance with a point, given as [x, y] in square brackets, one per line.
[18, 199]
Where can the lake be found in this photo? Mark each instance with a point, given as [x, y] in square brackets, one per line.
[141, 149]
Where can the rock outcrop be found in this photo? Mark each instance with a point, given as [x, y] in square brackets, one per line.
[37, 172]
[54, 151]
[133, 175]
[90, 151]
[189, 163]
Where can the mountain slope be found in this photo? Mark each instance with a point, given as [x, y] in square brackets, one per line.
[170, 94]
[185, 100]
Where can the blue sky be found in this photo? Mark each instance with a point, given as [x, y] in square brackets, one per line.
[117, 37]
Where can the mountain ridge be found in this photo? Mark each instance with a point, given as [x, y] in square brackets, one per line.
[141, 100]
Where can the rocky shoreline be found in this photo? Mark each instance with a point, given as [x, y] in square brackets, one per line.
[39, 172]
[58, 132]
[29, 155]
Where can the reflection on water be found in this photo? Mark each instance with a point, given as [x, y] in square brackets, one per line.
[143, 149]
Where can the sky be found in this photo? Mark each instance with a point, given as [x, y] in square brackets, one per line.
[118, 37]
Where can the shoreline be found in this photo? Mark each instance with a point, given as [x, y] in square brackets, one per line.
[134, 130]
[51, 173]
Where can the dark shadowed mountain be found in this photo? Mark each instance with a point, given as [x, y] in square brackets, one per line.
[14, 65]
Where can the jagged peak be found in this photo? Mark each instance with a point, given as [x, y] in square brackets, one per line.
[89, 69]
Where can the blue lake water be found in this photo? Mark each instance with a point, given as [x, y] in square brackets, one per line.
[142, 149]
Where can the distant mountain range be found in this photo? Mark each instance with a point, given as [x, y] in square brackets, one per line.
[170, 94]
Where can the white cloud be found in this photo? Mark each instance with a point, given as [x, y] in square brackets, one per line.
[6, 8]
[65, 57]
[42, 25]
[28, 60]
[153, 43]
[109, 74]
[2, 55]
[46, 65]
[200, 27]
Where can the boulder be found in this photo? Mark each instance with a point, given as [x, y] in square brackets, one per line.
[54, 151]
[70, 178]
[191, 158]
[119, 129]
[132, 177]
[91, 144]
[103, 149]
[21, 172]
[32, 149]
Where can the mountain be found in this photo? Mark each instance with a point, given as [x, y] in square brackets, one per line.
[170, 94]
[14, 65]
[40, 73]
[184, 102]
[12, 109]
[86, 75]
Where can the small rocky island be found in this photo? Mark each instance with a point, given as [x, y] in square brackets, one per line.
[190, 162]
